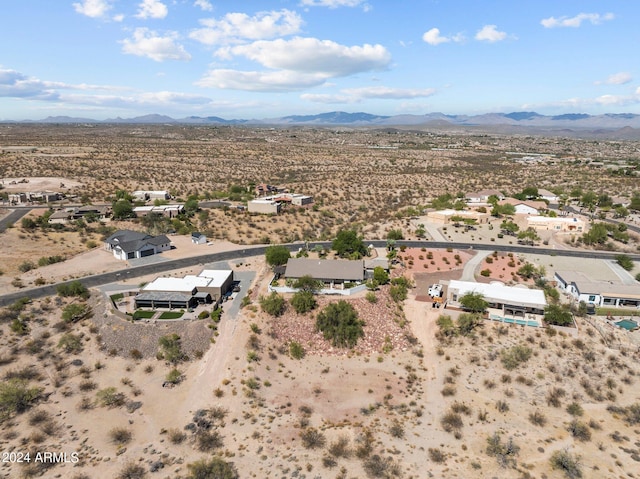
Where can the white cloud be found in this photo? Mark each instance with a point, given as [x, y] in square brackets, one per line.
[271, 81]
[355, 95]
[388, 93]
[204, 5]
[621, 78]
[310, 55]
[433, 37]
[234, 27]
[490, 33]
[575, 22]
[331, 3]
[93, 8]
[147, 43]
[152, 9]
[584, 103]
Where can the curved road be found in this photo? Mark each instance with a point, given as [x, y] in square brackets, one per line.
[248, 251]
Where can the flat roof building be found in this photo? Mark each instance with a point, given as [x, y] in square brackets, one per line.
[599, 293]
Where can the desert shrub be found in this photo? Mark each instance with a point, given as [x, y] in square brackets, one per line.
[303, 302]
[397, 429]
[174, 376]
[365, 443]
[312, 438]
[339, 323]
[630, 414]
[171, 348]
[70, 343]
[16, 397]
[451, 422]
[19, 327]
[568, 463]
[467, 322]
[176, 436]
[503, 452]
[207, 441]
[579, 430]
[26, 266]
[537, 418]
[75, 312]
[214, 468]
[132, 471]
[296, 351]
[437, 456]
[377, 466]
[74, 288]
[558, 314]
[274, 304]
[575, 409]
[120, 435]
[554, 395]
[515, 356]
[340, 448]
[371, 297]
[110, 397]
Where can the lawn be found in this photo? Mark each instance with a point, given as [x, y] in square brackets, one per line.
[171, 315]
[603, 311]
[116, 297]
[140, 314]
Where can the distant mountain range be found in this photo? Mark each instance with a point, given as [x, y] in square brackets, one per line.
[507, 122]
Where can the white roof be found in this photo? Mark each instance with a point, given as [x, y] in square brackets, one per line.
[551, 219]
[186, 284]
[217, 277]
[500, 293]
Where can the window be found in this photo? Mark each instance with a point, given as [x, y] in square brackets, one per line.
[592, 298]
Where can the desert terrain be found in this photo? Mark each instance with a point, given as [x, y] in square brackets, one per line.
[417, 396]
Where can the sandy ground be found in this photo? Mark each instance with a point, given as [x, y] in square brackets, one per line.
[39, 183]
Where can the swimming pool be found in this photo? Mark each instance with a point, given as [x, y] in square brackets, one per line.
[521, 322]
[627, 324]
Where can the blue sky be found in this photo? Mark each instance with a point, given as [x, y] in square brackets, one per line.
[260, 59]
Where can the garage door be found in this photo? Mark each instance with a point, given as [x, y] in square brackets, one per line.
[147, 252]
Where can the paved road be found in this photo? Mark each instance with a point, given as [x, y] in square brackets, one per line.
[248, 251]
[12, 217]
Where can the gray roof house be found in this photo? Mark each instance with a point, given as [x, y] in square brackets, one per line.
[127, 244]
[326, 270]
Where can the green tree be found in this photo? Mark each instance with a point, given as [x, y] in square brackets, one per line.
[527, 271]
[421, 231]
[509, 226]
[28, 223]
[380, 275]
[191, 206]
[624, 261]
[395, 234]
[122, 210]
[445, 325]
[529, 235]
[308, 284]
[557, 314]
[303, 302]
[597, 234]
[530, 192]
[277, 255]
[348, 243]
[339, 323]
[473, 302]
[274, 304]
[214, 468]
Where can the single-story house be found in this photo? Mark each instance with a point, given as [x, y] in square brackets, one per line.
[599, 293]
[169, 211]
[483, 196]
[547, 195]
[512, 301]
[332, 271]
[69, 214]
[198, 238]
[445, 216]
[145, 195]
[127, 244]
[562, 224]
[527, 207]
